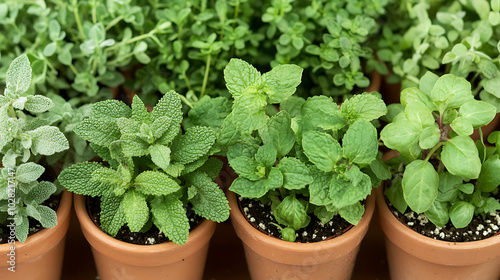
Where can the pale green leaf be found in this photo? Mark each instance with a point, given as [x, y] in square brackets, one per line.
[278, 132]
[136, 210]
[241, 77]
[321, 149]
[155, 183]
[360, 143]
[48, 140]
[296, 174]
[460, 157]
[170, 217]
[420, 185]
[281, 82]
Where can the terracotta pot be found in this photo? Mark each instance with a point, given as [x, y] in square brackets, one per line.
[40, 257]
[415, 256]
[117, 260]
[272, 258]
[375, 82]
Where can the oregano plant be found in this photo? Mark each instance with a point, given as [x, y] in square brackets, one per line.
[313, 157]
[23, 136]
[152, 170]
[441, 171]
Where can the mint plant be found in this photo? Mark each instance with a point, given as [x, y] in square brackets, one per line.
[294, 158]
[441, 171]
[154, 170]
[24, 135]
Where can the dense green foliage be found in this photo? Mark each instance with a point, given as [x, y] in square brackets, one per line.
[24, 134]
[295, 158]
[79, 48]
[154, 170]
[441, 171]
[459, 37]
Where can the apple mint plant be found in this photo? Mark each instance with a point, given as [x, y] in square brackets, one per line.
[24, 134]
[154, 170]
[294, 158]
[441, 171]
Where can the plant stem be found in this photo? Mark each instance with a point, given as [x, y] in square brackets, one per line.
[78, 22]
[184, 99]
[113, 23]
[132, 40]
[431, 152]
[205, 78]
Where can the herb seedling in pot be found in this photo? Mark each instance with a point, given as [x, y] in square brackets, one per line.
[154, 170]
[25, 136]
[294, 159]
[441, 172]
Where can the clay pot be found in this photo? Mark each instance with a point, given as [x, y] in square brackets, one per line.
[118, 260]
[415, 256]
[272, 258]
[40, 257]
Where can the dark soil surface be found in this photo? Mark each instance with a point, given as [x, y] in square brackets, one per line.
[150, 237]
[260, 216]
[480, 228]
[35, 226]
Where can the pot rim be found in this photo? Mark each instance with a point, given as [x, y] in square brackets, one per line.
[452, 252]
[148, 255]
[42, 241]
[295, 252]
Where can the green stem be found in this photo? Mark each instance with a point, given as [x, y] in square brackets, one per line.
[431, 152]
[184, 99]
[73, 69]
[113, 23]
[94, 16]
[78, 22]
[132, 40]
[11, 112]
[119, 59]
[205, 78]
[188, 84]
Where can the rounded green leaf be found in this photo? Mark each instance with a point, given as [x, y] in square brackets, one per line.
[360, 143]
[462, 126]
[429, 137]
[438, 213]
[321, 149]
[478, 113]
[461, 214]
[420, 185]
[461, 158]
[29, 172]
[419, 114]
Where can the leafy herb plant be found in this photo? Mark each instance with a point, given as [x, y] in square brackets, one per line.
[23, 136]
[295, 159]
[441, 171]
[153, 170]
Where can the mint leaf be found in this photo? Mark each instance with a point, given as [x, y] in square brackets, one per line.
[155, 183]
[319, 189]
[211, 167]
[170, 217]
[438, 213]
[321, 111]
[321, 149]
[419, 114]
[363, 106]
[360, 143]
[247, 168]
[210, 112]
[249, 112]
[420, 185]
[352, 213]
[38, 104]
[77, 178]
[160, 155]
[136, 210]
[293, 105]
[296, 175]
[281, 82]
[292, 212]
[266, 155]
[241, 77]
[132, 145]
[461, 214]
[110, 109]
[478, 113]
[98, 131]
[257, 189]
[395, 195]
[169, 105]
[429, 137]
[355, 187]
[195, 143]
[451, 91]
[139, 111]
[112, 215]
[489, 178]
[278, 132]
[160, 126]
[209, 201]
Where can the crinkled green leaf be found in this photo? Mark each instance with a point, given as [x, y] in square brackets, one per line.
[41, 192]
[321, 112]
[38, 104]
[319, 189]
[136, 210]
[169, 105]
[155, 183]
[160, 126]
[249, 112]
[355, 187]
[170, 217]
[29, 172]
[257, 189]
[110, 109]
[281, 82]
[195, 143]
[209, 201]
[48, 140]
[160, 155]
[112, 216]
[266, 155]
[241, 77]
[209, 112]
[18, 77]
[133, 145]
[211, 167]
[321, 149]
[139, 111]
[98, 131]
[293, 105]
[247, 168]
[296, 175]
[77, 178]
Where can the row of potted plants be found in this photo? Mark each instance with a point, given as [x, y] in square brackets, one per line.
[305, 159]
